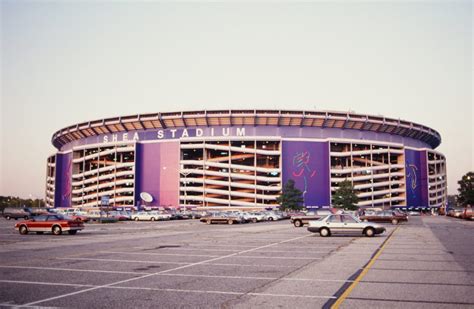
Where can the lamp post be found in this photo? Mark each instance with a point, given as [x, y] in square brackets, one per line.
[185, 174]
[304, 200]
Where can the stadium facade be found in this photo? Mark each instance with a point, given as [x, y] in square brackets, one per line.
[242, 158]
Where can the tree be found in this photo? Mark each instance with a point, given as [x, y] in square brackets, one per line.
[12, 201]
[466, 189]
[345, 197]
[291, 197]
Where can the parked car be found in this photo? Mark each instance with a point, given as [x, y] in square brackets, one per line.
[16, 213]
[179, 215]
[145, 216]
[388, 216]
[222, 218]
[300, 220]
[273, 216]
[53, 223]
[150, 216]
[96, 214]
[195, 214]
[260, 216]
[36, 211]
[456, 213]
[78, 217]
[344, 224]
[119, 215]
[163, 215]
[252, 216]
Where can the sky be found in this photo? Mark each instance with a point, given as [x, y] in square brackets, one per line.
[66, 62]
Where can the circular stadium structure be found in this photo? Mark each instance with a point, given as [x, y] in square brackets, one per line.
[242, 158]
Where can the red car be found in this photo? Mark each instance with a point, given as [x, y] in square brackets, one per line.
[389, 216]
[468, 213]
[53, 223]
[77, 217]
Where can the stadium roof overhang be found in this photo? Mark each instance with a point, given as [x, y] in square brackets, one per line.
[322, 119]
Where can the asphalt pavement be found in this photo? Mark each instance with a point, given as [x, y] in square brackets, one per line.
[425, 263]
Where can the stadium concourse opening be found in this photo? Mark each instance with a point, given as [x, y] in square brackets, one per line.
[242, 158]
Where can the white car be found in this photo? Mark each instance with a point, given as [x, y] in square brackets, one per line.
[272, 216]
[164, 216]
[344, 224]
[147, 216]
[251, 216]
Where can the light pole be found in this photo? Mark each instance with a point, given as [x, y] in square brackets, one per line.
[185, 174]
[304, 200]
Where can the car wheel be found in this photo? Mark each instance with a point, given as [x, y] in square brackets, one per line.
[208, 221]
[394, 221]
[25, 217]
[324, 232]
[136, 219]
[72, 232]
[298, 223]
[230, 222]
[57, 230]
[369, 232]
[23, 230]
[270, 219]
[8, 217]
[152, 219]
[254, 220]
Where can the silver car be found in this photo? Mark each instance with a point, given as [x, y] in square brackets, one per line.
[344, 224]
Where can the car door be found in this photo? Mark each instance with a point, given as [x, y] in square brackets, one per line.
[37, 224]
[351, 225]
[387, 216]
[335, 224]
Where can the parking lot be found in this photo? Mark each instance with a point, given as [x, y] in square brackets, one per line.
[425, 263]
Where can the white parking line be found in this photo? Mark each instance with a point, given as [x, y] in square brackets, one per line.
[176, 275]
[156, 254]
[45, 283]
[277, 257]
[109, 286]
[177, 263]
[76, 270]
[122, 261]
[198, 255]
[235, 250]
[160, 272]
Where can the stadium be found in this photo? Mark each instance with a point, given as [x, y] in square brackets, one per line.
[242, 158]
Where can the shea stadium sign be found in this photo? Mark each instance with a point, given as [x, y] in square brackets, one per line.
[173, 134]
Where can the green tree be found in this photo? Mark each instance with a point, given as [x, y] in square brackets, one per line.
[13, 201]
[466, 190]
[345, 197]
[291, 197]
